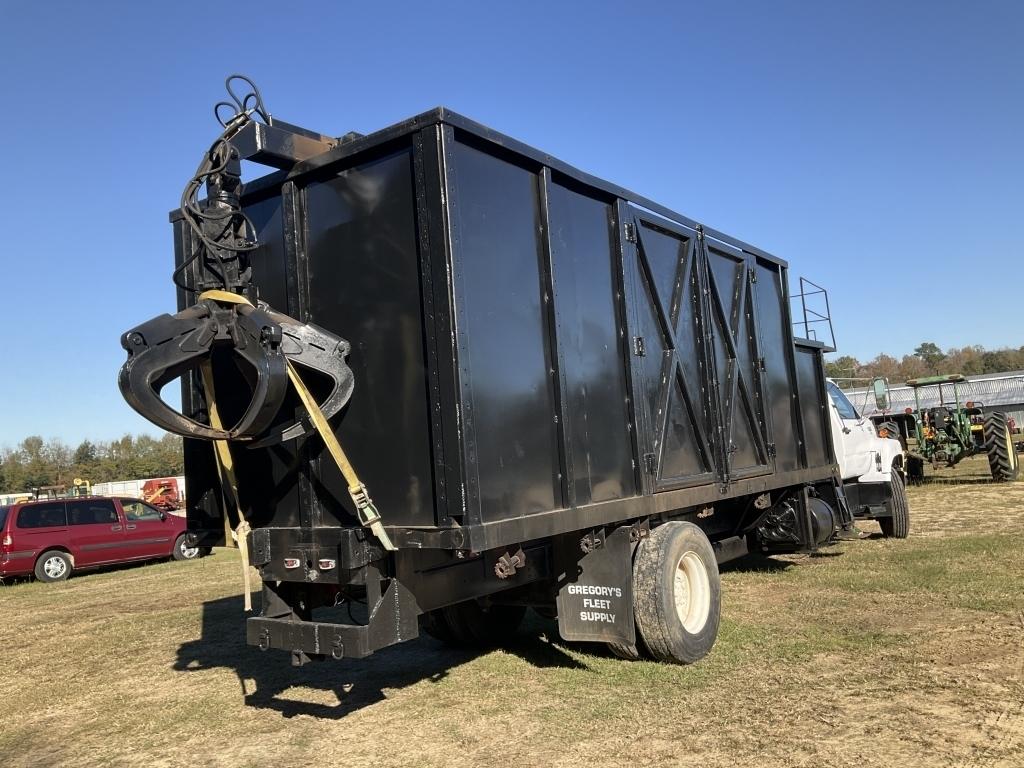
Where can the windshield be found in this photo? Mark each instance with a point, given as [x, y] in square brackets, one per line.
[843, 405]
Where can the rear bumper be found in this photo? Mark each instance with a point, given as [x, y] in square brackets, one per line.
[17, 563]
[393, 618]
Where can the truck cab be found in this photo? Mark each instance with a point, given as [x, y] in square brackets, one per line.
[871, 467]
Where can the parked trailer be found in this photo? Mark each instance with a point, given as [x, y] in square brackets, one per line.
[567, 396]
[135, 489]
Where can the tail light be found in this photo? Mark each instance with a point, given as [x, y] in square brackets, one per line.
[883, 432]
[6, 541]
[291, 562]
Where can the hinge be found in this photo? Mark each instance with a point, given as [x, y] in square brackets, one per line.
[752, 274]
[761, 364]
[630, 233]
[639, 349]
[771, 449]
[649, 463]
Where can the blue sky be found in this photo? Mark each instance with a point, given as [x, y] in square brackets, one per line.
[877, 146]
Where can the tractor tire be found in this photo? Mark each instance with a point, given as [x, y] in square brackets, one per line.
[915, 470]
[677, 593]
[470, 624]
[897, 526]
[1002, 456]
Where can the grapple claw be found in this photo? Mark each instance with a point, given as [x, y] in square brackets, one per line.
[162, 349]
[310, 347]
[167, 346]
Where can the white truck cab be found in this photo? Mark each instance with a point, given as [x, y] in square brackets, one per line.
[871, 467]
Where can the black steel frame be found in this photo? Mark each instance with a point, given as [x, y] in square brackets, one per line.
[431, 135]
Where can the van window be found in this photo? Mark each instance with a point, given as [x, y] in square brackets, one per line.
[139, 510]
[92, 512]
[51, 515]
[3, 516]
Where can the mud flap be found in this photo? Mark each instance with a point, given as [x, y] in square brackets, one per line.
[595, 589]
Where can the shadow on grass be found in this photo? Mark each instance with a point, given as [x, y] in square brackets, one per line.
[265, 676]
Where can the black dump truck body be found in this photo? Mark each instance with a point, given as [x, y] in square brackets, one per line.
[548, 368]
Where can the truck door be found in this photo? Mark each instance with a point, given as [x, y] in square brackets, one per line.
[853, 437]
[695, 355]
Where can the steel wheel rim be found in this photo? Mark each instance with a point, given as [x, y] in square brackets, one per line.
[691, 590]
[55, 567]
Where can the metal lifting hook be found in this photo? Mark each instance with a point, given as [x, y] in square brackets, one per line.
[168, 346]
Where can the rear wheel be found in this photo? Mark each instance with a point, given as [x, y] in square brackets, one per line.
[1002, 457]
[53, 566]
[897, 526]
[676, 593]
[470, 623]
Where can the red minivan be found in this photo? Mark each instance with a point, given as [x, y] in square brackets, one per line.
[55, 537]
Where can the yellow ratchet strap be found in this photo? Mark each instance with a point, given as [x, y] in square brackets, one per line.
[365, 508]
[226, 469]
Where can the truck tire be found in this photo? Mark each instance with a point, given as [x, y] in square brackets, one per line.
[677, 596]
[897, 526]
[471, 624]
[1002, 456]
[53, 565]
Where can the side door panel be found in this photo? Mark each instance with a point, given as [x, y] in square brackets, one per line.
[96, 532]
[148, 530]
[663, 290]
[695, 353]
[732, 325]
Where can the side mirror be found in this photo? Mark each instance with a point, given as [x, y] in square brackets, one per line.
[881, 389]
[163, 516]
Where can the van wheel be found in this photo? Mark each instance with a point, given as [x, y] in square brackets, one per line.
[53, 566]
[677, 593]
[898, 525]
[182, 551]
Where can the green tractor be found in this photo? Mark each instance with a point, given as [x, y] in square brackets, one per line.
[950, 431]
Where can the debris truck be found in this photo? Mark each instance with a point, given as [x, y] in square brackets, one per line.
[435, 376]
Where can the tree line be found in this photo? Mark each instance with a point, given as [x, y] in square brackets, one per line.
[927, 360]
[35, 462]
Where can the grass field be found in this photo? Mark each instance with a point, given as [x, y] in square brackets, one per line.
[876, 652]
